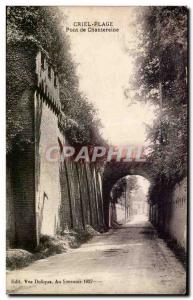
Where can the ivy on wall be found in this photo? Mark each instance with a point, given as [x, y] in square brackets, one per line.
[43, 27]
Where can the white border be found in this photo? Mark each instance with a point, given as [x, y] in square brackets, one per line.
[98, 2]
[3, 4]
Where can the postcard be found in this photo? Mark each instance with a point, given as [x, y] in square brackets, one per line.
[97, 141]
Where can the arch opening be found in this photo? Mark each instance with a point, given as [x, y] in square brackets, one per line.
[113, 172]
[129, 201]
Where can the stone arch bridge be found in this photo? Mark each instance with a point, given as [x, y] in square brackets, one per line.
[114, 170]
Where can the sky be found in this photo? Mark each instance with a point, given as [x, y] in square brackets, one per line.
[105, 68]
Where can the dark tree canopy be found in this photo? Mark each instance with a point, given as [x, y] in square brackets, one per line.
[43, 26]
[161, 79]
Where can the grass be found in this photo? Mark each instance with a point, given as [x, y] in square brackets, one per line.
[18, 258]
[48, 246]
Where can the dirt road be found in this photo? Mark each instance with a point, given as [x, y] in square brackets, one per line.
[131, 260]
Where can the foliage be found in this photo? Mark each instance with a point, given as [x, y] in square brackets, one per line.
[128, 183]
[88, 124]
[18, 258]
[161, 79]
[161, 56]
[43, 26]
[49, 246]
[19, 90]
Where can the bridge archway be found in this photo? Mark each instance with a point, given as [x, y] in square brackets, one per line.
[114, 171]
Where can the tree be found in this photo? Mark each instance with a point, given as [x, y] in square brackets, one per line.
[43, 26]
[161, 79]
[128, 183]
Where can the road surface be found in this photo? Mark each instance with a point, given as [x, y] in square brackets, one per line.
[129, 260]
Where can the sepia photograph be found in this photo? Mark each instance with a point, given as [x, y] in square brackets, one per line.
[97, 150]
